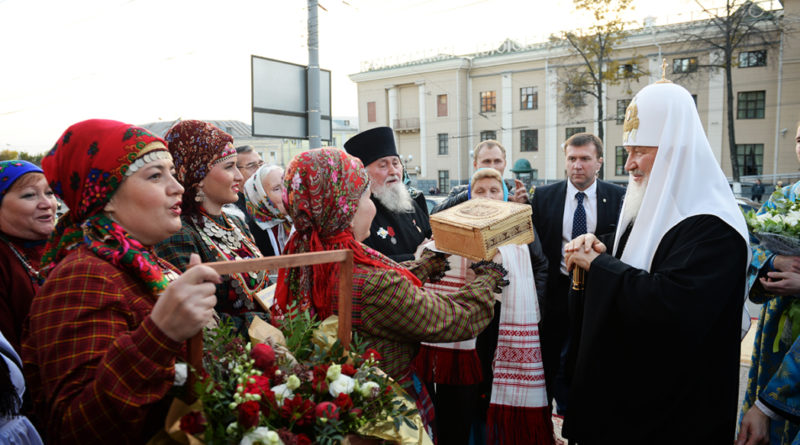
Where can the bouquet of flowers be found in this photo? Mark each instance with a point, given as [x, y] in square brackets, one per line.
[304, 391]
[778, 228]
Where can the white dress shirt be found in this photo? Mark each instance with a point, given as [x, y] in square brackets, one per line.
[570, 204]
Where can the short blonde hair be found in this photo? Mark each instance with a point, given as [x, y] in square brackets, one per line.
[486, 173]
[486, 143]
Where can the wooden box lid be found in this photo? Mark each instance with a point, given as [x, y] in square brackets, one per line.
[476, 228]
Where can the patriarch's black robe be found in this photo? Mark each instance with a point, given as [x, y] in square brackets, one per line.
[658, 356]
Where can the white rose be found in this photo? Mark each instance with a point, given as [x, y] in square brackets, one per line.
[369, 389]
[282, 392]
[334, 372]
[261, 436]
[293, 382]
[343, 384]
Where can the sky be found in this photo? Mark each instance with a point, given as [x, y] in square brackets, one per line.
[141, 61]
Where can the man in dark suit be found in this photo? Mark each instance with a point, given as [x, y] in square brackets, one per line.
[561, 211]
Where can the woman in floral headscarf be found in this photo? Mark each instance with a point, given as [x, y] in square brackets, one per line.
[328, 199]
[110, 321]
[205, 164]
[270, 225]
[27, 217]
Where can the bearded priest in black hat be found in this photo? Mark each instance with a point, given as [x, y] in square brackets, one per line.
[400, 224]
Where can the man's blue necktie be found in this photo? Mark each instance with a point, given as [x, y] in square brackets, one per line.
[579, 218]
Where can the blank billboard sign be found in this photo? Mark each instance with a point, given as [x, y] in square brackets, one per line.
[280, 99]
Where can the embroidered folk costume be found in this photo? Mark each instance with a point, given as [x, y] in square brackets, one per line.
[19, 263]
[391, 312]
[268, 222]
[98, 367]
[196, 147]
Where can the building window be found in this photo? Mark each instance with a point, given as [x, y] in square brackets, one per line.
[442, 143]
[535, 174]
[488, 102]
[528, 98]
[529, 140]
[488, 134]
[751, 158]
[627, 70]
[441, 105]
[622, 106]
[684, 65]
[621, 159]
[575, 130]
[574, 96]
[748, 59]
[444, 181]
[371, 112]
[751, 105]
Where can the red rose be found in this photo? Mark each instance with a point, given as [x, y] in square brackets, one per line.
[372, 354]
[348, 370]
[298, 410]
[302, 439]
[264, 356]
[193, 423]
[343, 401]
[319, 381]
[327, 410]
[260, 386]
[248, 414]
[356, 412]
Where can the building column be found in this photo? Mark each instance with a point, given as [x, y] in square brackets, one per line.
[551, 144]
[423, 133]
[507, 121]
[393, 105]
[716, 99]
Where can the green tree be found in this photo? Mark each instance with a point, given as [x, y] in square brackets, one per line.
[595, 48]
[730, 28]
[7, 155]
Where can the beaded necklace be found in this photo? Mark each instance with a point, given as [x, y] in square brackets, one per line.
[34, 274]
[228, 242]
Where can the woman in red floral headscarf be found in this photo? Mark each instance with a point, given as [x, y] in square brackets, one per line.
[205, 164]
[328, 199]
[110, 321]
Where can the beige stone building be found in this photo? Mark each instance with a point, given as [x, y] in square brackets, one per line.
[440, 108]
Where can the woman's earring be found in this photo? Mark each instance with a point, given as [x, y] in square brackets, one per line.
[200, 196]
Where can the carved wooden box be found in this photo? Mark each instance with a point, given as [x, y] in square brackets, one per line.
[476, 228]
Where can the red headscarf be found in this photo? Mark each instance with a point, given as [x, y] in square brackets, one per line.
[84, 168]
[323, 188]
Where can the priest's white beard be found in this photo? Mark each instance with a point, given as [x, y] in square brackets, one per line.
[633, 200]
[394, 196]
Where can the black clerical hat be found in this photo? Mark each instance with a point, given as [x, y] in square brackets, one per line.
[372, 145]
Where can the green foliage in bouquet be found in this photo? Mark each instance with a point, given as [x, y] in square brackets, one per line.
[307, 391]
[782, 219]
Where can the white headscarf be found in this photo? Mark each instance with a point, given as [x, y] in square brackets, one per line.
[264, 212]
[686, 180]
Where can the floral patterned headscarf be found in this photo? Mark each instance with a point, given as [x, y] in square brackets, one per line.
[264, 211]
[196, 146]
[84, 168]
[323, 189]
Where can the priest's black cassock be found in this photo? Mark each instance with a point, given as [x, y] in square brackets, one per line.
[397, 235]
[658, 356]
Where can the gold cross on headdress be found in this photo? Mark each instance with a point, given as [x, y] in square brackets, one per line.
[664, 72]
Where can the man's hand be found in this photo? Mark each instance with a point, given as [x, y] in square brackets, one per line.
[520, 194]
[582, 251]
[785, 263]
[781, 283]
[754, 429]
